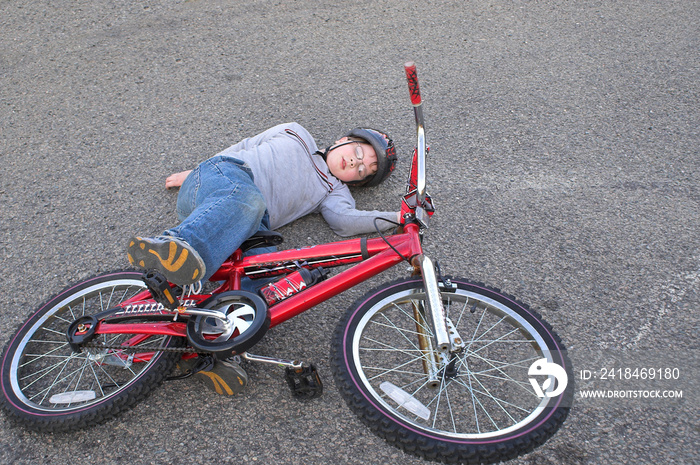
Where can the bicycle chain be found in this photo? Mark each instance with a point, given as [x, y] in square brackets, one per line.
[181, 350]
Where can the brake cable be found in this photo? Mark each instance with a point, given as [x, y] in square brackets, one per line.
[385, 239]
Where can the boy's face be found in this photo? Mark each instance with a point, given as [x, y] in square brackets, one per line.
[349, 160]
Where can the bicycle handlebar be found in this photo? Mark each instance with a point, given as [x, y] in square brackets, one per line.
[417, 101]
[413, 87]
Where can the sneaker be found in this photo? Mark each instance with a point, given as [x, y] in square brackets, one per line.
[174, 258]
[225, 377]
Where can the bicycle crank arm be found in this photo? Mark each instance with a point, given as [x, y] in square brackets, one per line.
[273, 361]
[435, 311]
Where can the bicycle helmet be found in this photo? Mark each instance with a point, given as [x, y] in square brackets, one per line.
[386, 155]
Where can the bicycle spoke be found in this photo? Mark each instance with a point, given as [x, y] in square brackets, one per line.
[55, 381]
[46, 371]
[97, 380]
[385, 371]
[39, 357]
[388, 347]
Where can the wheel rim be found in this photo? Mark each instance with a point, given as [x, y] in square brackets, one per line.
[46, 375]
[489, 396]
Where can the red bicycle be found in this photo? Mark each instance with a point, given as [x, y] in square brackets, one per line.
[441, 367]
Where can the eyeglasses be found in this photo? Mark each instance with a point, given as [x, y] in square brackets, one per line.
[362, 170]
[359, 155]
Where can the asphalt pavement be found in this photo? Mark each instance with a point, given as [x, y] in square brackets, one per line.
[564, 165]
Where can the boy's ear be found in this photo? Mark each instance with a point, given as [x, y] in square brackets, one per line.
[341, 140]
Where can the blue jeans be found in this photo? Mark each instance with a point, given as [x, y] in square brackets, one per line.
[219, 207]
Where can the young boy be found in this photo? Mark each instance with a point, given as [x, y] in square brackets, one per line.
[263, 183]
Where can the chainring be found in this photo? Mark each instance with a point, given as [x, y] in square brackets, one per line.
[247, 317]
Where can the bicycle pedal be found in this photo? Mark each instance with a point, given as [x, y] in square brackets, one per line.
[304, 382]
[160, 289]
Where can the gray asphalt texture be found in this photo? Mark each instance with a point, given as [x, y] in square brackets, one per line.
[564, 163]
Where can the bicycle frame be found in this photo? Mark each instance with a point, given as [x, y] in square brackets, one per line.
[368, 258]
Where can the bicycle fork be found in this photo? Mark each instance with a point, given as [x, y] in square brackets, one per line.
[447, 341]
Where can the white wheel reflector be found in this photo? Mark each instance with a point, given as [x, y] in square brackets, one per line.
[72, 396]
[405, 400]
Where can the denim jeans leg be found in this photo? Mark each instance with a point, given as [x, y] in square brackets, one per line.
[223, 207]
[264, 226]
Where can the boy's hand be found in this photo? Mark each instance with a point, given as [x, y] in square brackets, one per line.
[176, 180]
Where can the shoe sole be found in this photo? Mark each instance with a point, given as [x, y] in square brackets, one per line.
[177, 263]
[224, 378]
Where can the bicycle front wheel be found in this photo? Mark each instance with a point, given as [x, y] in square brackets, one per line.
[475, 406]
[46, 386]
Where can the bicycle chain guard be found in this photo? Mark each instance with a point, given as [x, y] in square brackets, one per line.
[246, 312]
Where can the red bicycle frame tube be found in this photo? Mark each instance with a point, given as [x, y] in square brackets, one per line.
[167, 328]
[379, 257]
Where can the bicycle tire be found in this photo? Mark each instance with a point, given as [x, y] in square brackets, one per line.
[486, 411]
[48, 387]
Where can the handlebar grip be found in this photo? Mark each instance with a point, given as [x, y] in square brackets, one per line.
[412, 77]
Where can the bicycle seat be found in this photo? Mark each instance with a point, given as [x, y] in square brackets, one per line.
[262, 238]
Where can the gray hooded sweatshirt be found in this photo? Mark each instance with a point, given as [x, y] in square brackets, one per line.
[296, 181]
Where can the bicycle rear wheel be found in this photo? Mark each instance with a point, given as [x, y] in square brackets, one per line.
[47, 386]
[478, 406]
